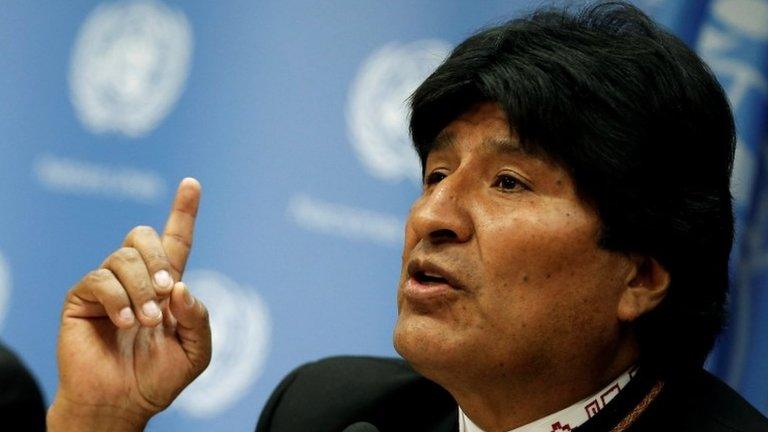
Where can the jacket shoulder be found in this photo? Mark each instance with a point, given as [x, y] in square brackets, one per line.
[331, 394]
[701, 402]
[717, 400]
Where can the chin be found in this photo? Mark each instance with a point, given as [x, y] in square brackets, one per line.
[427, 346]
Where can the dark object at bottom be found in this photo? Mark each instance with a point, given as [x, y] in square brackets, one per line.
[21, 403]
[331, 394]
[361, 427]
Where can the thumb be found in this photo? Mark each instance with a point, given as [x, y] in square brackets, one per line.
[193, 327]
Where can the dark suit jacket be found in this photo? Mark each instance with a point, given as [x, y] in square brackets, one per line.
[21, 403]
[331, 394]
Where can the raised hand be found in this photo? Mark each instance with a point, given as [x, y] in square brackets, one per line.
[132, 336]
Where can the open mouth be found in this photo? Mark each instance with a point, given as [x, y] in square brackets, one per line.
[427, 278]
[426, 273]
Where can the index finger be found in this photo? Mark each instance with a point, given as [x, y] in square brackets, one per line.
[180, 227]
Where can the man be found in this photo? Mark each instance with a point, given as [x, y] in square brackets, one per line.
[564, 269]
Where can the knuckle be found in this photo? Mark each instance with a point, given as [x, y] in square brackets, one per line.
[206, 360]
[142, 231]
[181, 240]
[73, 292]
[141, 286]
[204, 314]
[127, 255]
[157, 259]
[98, 276]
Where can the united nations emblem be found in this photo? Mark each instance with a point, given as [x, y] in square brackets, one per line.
[241, 327]
[129, 65]
[377, 108]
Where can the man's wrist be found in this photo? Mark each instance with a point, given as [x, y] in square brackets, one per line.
[67, 415]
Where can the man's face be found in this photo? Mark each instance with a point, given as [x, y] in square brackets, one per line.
[501, 269]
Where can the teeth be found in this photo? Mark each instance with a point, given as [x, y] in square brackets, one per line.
[433, 275]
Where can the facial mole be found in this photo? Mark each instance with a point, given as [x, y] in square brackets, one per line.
[525, 278]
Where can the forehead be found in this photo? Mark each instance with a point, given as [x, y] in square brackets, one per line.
[483, 134]
[485, 123]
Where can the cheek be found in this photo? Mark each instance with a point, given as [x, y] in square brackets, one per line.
[540, 259]
[538, 241]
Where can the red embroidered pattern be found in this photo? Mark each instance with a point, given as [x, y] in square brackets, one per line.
[592, 408]
[610, 394]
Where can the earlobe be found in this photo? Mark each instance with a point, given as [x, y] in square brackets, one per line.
[645, 287]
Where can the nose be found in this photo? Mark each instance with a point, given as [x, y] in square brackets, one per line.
[441, 215]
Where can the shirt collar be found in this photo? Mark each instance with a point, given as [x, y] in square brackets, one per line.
[568, 418]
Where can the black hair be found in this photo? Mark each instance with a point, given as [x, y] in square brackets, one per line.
[642, 126]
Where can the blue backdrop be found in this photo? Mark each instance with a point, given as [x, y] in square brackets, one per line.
[291, 115]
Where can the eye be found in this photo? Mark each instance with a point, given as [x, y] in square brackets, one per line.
[433, 177]
[507, 183]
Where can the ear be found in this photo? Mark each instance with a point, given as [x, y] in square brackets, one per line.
[646, 286]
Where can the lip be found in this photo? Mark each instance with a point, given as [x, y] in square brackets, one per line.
[421, 292]
[426, 266]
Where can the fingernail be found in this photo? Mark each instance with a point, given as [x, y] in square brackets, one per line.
[188, 299]
[163, 279]
[126, 315]
[151, 310]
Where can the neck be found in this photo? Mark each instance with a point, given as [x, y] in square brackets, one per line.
[500, 402]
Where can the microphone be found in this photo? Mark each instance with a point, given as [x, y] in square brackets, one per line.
[361, 427]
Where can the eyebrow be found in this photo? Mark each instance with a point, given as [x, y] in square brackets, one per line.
[503, 145]
[446, 140]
